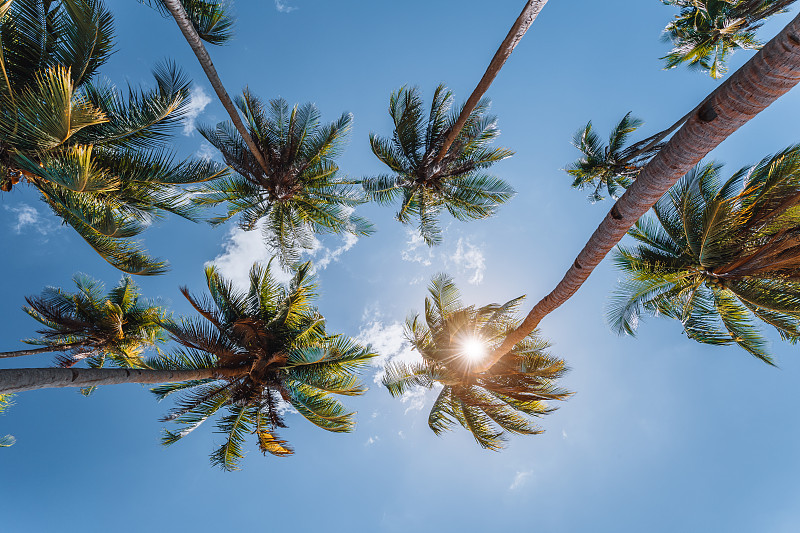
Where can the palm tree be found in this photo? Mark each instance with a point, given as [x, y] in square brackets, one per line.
[207, 20]
[457, 183]
[706, 32]
[769, 74]
[250, 352]
[302, 193]
[612, 166]
[529, 14]
[5, 403]
[97, 158]
[717, 256]
[274, 343]
[89, 325]
[451, 338]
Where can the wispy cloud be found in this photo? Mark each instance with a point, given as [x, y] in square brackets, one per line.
[389, 341]
[416, 251]
[206, 152]
[28, 216]
[469, 257]
[198, 101]
[372, 440]
[283, 7]
[243, 248]
[328, 256]
[520, 478]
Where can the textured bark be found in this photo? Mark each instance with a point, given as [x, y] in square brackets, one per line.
[44, 349]
[650, 142]
[24, 379]
[521, 25]
[769, 74]
[185, 24]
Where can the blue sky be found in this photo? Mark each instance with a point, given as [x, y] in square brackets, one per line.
[663, 434]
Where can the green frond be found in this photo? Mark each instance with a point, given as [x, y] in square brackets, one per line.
[319, 408]
[425, 186]
[211, 19]
[490, 403]
[442, 417]
[706, 32]
[59, 110]
[718, 255]
[235, 426]
[399, 377]
[277, 340]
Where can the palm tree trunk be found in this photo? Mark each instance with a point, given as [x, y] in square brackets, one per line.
[185, 24]
[643, 146]
[23, 379]
[769, 74]
[44, 349]
[521, 25]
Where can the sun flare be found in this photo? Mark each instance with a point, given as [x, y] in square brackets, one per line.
[474, 349]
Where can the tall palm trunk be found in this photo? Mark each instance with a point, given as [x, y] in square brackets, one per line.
[769, 74]
[185, 24]
[43, 349]
[24, 379]
[521, 25]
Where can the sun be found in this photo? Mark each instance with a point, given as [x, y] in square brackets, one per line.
[474, 349]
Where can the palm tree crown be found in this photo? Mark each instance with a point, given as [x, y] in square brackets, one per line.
[96, 157]
[302, 194]
[457, 182]
[97, 327]
[718, 256]
[274, 347]
[210, 18]
[488, 404]
[706, 32]
[613, 166]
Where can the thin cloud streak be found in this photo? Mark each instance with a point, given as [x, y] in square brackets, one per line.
[283, 7]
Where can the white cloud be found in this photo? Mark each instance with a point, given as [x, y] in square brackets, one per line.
[415, 398]
[283, 7]
[412, 252]
[465, 257]
[469, 257]
[198, 100]
[26, 215]
[329, 256]
[372, 440]
[206, 152]
[520, 478]
[389, 341]
[243, 248]
[240, 251]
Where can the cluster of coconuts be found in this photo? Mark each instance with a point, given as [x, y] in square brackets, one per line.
[714, 282]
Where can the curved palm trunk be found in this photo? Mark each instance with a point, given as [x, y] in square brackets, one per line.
[768, 75]
[43, 349]
[521, 25]
[185, 24]
[24, 379]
